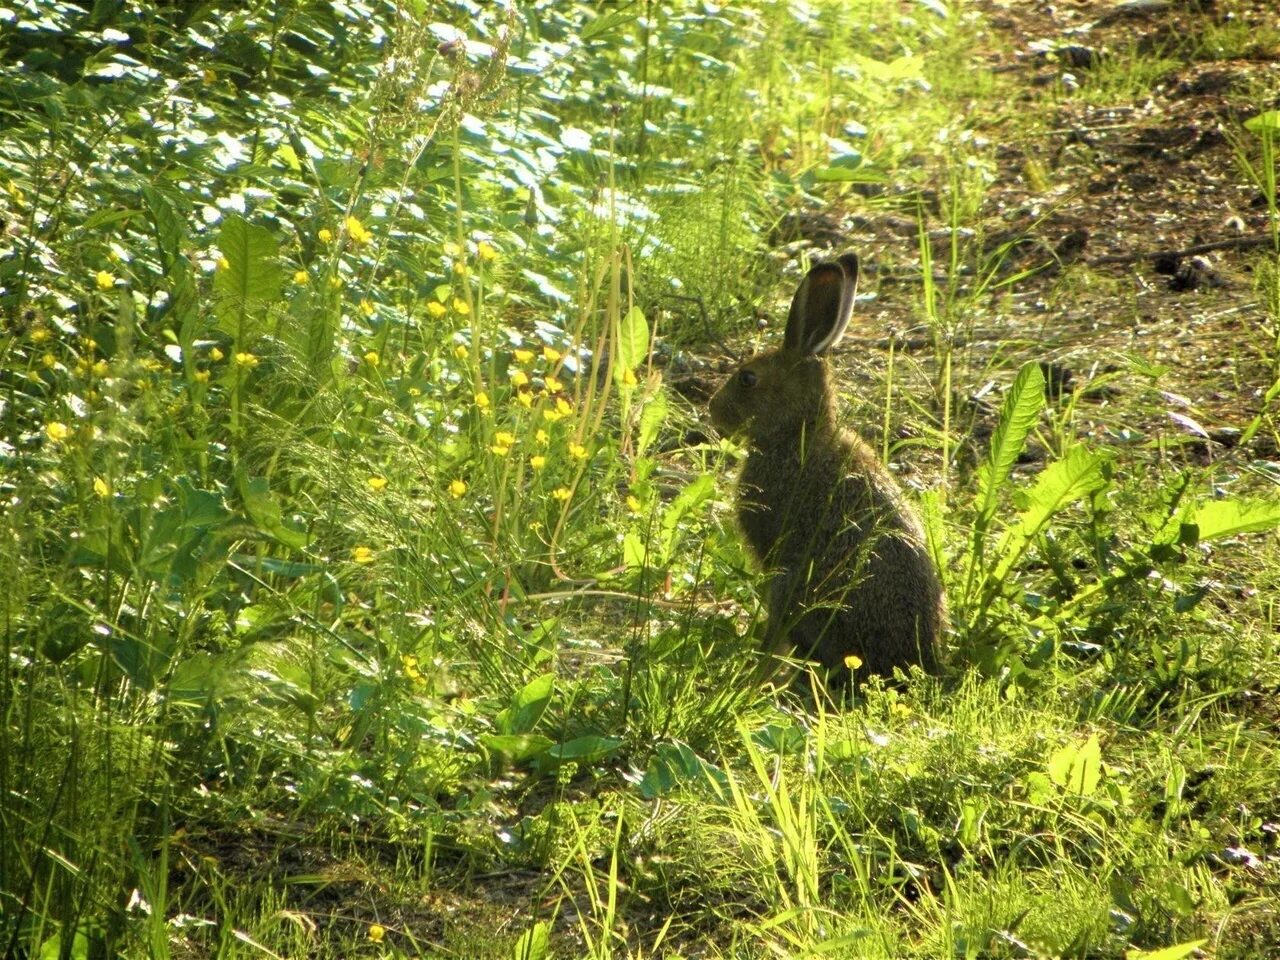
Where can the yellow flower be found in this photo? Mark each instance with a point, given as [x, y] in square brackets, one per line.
[104, 280]
[900, 710]
[542, 436]
[460, 307]
[562, 407]
[562, 493]
[357, 230]
[553, 385]
[551, 416]
[524, 356]
[437, 309]
[49, 360]
[498, 450]
[101, 487]
[634, 504]
[89, 343]
[519, 379]
[151, 364]
[246, 359]
[853, 662]
[372, 358]
[577, 451]
[301, 276]
[367, 307]
[335, 282]
[100, 369]
[551, 354]
[485, 251]
[525, 399]
[482, 401]
[40, 334]
[504, 437]
[362, 555]
[215, 354]
[224, 263]
[209, 76]
[82, 368]
[460, 351]
[629, 377]
[56, 432]
[201, 376]
[325, 235]
[537, 461]
[457, 488]
[451, 249]
[377, 483]
[415, 392]
[461, 269]
[376, 930]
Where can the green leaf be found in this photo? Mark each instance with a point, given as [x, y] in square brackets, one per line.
[1077, 767]
[1077, 475]
[584, 749]
[1268, 122]
[687, 500]
[534, 943]
[1217, 519]
[1179, 951]
[527, 705]
[602, 24]
[171, 238]
[652, 417]
[1018, 414]
[250, 282]
[632, 343]
[266, 513]
[516, 747]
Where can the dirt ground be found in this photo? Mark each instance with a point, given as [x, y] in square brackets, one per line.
[1119, 188]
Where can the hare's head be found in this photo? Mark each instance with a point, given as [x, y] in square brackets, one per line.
[774, 394]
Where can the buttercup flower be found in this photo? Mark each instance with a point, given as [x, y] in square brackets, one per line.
[362, 555]
[577, 451]
[367, 307]
[101, 487]
[460, 351]
[562, 493]
[104, 280]
[553, 385]
[551, 354]
[457, 488]
[372, 358]
[523, 356]
[325, 235]
[482, 401]
[56, 432]
[377, 483]
[460, 307]
[357, 231]
[537, 461]
[519, 379]
[437, 309]
[300, 276]
[485, 251]
[246, 359]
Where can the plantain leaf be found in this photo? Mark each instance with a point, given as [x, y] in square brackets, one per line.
[633, 343]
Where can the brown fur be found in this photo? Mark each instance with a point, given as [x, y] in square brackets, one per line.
[850, 572]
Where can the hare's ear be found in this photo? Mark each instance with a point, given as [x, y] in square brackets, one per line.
[822, 306]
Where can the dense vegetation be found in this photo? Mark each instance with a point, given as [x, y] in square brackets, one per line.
[370, 587]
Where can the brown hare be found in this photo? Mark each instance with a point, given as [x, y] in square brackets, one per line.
[850, 575]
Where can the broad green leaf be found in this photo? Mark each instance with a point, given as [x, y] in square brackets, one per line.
[171, 239]
[527, 705]
[607, 22]
[687, 500]
[516, 747]
[584, 749]
[632, 343]
[265, 512]
[1264, 122]
[633, 550]
[534, 943]
[1216, 519]
[1179, 951]
[251, 280]
[1077, 475]
[651, 419]
[1018, 414]
[1077, 768]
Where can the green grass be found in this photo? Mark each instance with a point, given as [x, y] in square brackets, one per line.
[367, 592]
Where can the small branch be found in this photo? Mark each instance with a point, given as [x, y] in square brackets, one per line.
[1235, 243]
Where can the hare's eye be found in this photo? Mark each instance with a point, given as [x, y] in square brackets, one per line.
[747, 378]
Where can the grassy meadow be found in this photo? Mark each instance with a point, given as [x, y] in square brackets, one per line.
[370, 582]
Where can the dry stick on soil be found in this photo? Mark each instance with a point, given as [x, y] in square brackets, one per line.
[1235, 243]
